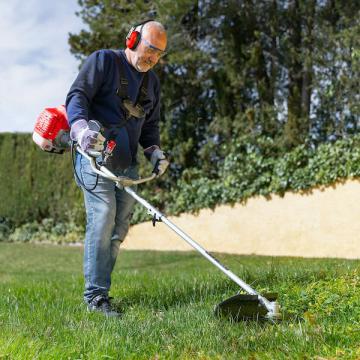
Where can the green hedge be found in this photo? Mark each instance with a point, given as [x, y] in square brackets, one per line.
[34, 184]
[249, 170]
[38, 192]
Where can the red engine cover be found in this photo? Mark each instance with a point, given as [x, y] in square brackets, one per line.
[51, 121]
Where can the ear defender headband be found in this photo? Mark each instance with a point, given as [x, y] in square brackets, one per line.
[133, 37]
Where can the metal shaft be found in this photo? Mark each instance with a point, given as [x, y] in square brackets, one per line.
[198, 247]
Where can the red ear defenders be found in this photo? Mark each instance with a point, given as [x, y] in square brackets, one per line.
[133, 37]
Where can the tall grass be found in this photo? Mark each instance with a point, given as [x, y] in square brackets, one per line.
[167, 301]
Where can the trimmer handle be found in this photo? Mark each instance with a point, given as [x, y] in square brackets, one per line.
[106, 173]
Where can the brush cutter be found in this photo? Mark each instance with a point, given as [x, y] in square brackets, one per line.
[251, 306]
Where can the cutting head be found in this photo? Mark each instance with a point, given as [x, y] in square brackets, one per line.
[242, 307]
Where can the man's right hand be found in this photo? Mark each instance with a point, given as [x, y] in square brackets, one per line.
[88, 136]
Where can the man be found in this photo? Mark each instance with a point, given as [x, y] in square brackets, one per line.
[121, 92]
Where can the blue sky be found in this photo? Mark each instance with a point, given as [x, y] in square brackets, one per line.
[36, 67]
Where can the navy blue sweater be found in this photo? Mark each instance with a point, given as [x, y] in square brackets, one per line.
[93, 96]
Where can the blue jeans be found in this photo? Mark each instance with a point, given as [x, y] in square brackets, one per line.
[108, 212]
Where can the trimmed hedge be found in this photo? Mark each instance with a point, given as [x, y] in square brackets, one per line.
[38, 192]
[34, 184]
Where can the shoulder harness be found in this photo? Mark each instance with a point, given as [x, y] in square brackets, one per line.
[131, 109]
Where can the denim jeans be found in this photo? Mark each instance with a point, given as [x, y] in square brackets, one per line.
[108, 212]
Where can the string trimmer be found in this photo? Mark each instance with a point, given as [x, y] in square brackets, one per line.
[250, 306]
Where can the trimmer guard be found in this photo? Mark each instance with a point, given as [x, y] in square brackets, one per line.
[242, 307]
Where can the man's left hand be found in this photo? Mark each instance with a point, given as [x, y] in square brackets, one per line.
[158, 160]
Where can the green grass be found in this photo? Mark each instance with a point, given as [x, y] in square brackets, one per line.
[167, 301]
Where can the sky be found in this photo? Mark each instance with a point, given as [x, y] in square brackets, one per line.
[36, 67]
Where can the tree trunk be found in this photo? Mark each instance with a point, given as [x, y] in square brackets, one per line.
[295, 129]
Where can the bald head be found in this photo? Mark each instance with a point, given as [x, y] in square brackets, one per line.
[151, 46]
[155, 33]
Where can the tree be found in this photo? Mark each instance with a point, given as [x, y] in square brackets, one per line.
[282, 69]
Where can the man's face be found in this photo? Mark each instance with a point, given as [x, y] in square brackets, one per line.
[150, 49]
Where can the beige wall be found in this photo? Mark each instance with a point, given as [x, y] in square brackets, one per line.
[321, 223]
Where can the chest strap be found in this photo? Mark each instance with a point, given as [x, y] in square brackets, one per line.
[122, 90]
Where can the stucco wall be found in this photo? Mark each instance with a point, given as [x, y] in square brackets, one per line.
[320, 223]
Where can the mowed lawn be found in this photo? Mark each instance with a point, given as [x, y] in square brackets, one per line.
[167, 299]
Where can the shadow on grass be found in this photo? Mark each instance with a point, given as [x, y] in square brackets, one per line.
[188, 296]
[165, 293]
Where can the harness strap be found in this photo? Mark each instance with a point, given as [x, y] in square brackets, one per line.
[122, 90]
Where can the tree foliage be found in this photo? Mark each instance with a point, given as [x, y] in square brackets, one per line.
[285, 69]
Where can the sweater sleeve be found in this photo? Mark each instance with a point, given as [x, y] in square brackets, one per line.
[150, 133]
[85, 87]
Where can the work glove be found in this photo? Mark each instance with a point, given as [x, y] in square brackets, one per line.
[88, 136]
[157, 158]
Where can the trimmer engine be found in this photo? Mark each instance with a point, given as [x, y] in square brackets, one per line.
[52, 131]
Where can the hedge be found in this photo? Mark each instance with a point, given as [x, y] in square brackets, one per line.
[34, 184]
[38, 192]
